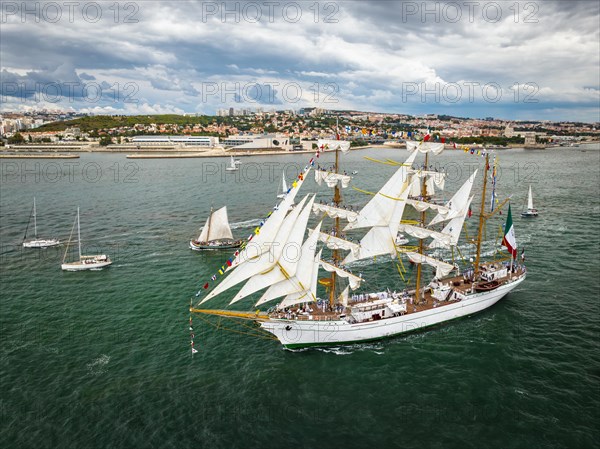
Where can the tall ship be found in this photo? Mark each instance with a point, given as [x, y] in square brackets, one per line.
[290, 309]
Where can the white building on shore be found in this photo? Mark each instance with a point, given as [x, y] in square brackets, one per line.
[196, 141]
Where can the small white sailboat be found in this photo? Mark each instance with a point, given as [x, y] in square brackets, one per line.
[284, 187]
[35, 242]
[531, 211]
[85, 262]
[216, 233]
[233, 165]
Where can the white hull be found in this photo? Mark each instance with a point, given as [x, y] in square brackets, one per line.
[41, 243]
[295, 333]
[81, 266]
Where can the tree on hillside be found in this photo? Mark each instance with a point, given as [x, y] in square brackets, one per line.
[16, 139]
[106, 140]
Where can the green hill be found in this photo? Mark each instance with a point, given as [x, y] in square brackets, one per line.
[96, 122]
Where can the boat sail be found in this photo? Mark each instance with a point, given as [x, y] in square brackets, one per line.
[96, 262]
[303, 319]
[216, 233]
[284, 187]
[531, 211]
[233, 165]
[37, 242]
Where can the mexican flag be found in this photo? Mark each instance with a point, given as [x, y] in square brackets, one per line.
[509, 239]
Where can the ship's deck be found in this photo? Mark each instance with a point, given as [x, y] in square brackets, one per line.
[459, 284]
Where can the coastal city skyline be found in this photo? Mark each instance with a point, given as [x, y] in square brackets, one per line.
[515, 61]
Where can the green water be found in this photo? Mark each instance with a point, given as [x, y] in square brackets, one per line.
[102, 359]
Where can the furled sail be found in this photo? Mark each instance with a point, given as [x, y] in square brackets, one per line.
[423, 206]
[379, 210]
[330, 144]
[352, 278]
[216, 227]
[337, 243]
[335, 212]
[423, 233]
[438, 178]
[424, 147]
[332, 179]
[442, 268]
[257, 261]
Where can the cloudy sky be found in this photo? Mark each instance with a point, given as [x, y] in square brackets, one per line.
[514, 60]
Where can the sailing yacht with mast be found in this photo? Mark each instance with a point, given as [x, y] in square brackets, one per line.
[531, 211]
[216, 233]
[233, 165]
[96, 262]
[284, 187]
[302, 319]
[36, 242]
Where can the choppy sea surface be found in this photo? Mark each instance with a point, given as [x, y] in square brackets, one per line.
[102, 359]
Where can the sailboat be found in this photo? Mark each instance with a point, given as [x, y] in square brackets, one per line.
[284, 187]
[301, 318]
[216, 233]
[96, 262]
[36, 242]
[233, 165]
[530, 212]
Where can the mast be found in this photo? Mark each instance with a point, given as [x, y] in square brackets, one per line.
[35, 215]
[481, 216]
[78, 233]
[423, 216]
[209, 220]
[28, 221]
[337, 198]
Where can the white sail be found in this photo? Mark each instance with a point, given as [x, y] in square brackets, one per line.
[439, 178]
[424, 147]
[352, 278]
[286, 260]
[301, 279]
[453, 228]
[378, 241]
[343, 299]
[261, 262]
[442, 268]
[216, 227]
[530, 199]
[337, 243]
[263, 240]
[335, 212]
[423, 206]
[284, 185]
[329, 144]
[423, 233]
[378, 211]
[332, 179]
[457, 203]
[381, 240]
[307, 295]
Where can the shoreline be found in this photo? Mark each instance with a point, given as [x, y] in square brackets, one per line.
[38, 156]
[220, 153]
